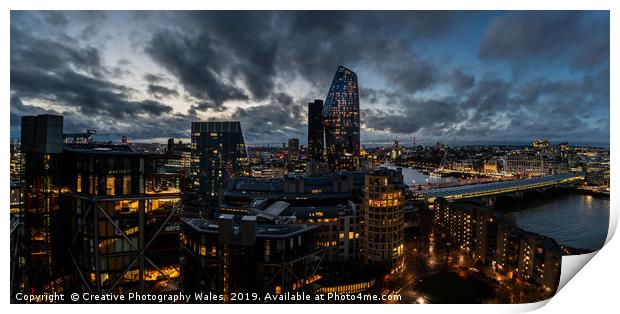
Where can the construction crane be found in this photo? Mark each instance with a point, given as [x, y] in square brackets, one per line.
[443, 159]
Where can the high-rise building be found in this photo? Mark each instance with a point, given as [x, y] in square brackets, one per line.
[384, 214]
[122, 207]
[41, 145]
[218, 152]
[342, 121]
[97, 217]
[316, 140]
[293, 148]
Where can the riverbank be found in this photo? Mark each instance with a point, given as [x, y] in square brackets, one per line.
[591, 192]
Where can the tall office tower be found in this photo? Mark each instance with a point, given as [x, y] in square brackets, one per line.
[342, 121]
[293, 148]
[315, 130]
[41, 145]
[218, 152]
[384, 211]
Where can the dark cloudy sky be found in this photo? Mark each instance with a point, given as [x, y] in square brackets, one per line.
[457, 77]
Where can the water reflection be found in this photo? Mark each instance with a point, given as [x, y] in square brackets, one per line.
[416, 177]
[575, 220]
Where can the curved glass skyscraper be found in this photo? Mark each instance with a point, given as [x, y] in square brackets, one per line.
[342, 121]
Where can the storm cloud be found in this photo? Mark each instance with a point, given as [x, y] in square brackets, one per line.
[149, 74]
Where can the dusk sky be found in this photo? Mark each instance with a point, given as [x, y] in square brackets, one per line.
[458, 77]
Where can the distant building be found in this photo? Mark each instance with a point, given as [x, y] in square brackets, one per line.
[597, 174]
[341, 115]
[316, 140]
[267, 172]
[524, 165]
[317, 167]
[182, 164]
[490, 166]
[540, 144]
[384, 212]
[395, 152]
[293, 148]
[17, 162]
[16, 197]
[597, 178]
[218, 153]
[369, 162]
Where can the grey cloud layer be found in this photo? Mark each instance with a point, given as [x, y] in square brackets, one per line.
[214, 59]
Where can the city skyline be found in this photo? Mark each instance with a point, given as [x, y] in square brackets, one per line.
[448, 76]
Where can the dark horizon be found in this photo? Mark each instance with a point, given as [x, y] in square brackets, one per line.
[163, 141]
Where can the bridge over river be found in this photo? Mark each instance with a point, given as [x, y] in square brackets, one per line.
[503, 187]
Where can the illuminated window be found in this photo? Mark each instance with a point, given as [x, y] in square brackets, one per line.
[126, 185]
[109, 184]
[105, 277]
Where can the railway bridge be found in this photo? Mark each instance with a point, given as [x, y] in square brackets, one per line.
[513, 188]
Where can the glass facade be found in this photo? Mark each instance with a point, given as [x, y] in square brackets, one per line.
[342, 121]
[124, 220]
[41, 213]
[316, 141]
[218, 152]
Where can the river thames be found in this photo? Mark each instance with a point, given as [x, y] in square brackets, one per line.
[575, 220]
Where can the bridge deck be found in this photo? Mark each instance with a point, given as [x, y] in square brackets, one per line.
[495, 188]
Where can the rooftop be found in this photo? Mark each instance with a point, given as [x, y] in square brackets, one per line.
[112, 149]
[262, 230]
